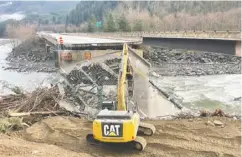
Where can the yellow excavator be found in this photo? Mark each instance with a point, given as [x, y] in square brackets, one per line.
[116, 123]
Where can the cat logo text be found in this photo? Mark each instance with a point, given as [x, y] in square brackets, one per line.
[112, 130]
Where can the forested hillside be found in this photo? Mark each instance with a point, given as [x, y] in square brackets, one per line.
[40, 7]
[48, 14]
[155, 15]
[111, 16]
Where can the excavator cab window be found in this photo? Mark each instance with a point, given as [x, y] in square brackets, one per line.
[114, 117]
[110, 105]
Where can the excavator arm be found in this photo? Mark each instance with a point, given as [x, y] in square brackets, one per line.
[125, 80]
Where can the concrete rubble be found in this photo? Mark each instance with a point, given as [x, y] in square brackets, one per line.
[87, 85]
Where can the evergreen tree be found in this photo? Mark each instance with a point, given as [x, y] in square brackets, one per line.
[59, 21]
[67, 20]
[46, 22]
[138, 26]
[124, 24]
[92, 24]
[109, 24]
[2, 28]
[54, 19]
[40, 21]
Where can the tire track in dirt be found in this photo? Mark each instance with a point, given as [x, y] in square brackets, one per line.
[229, 142]
[197, 138]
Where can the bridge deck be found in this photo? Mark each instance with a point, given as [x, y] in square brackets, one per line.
[85, 41]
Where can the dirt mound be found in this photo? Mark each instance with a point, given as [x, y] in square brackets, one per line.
[60, 130]
[12, 146]
[194, 137]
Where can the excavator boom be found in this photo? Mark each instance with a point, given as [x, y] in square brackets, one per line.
[122, 106]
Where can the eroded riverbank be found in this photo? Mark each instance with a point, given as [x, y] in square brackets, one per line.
[28, 81]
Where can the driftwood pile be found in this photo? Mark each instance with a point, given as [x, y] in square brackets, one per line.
[21, 110]
[202, 113]
[41, 101]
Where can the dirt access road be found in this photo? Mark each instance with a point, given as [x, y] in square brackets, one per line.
[65, 136]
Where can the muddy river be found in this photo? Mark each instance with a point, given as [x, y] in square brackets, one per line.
[210, 92]
[223, 91]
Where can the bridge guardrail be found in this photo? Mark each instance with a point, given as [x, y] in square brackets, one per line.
[196, 34]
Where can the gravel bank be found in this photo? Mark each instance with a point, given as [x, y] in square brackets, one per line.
[31, 56]
[168, 62]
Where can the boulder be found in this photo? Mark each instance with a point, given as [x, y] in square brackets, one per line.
[209, 123]
[217, 123]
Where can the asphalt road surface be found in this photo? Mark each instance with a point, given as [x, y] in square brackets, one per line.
[69, 39]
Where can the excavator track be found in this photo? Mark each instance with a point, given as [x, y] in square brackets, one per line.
[139, 143]
[146, 129]
[90, 139]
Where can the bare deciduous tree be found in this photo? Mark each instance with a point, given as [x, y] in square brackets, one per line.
[18, 32]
